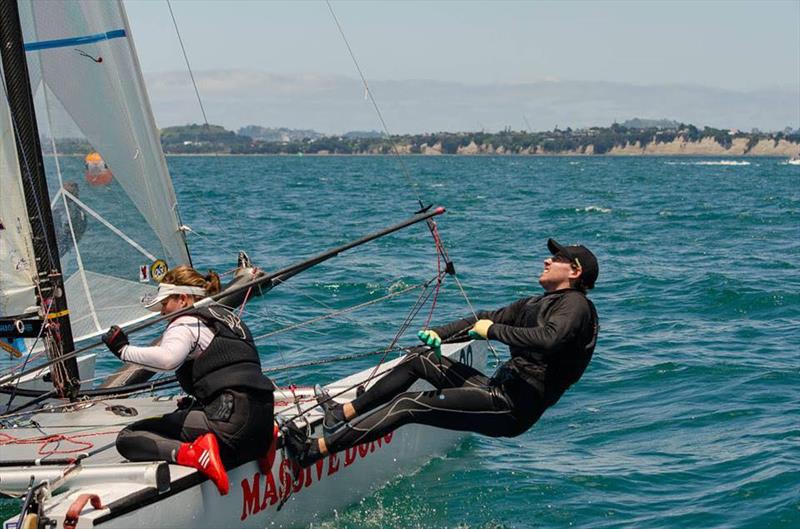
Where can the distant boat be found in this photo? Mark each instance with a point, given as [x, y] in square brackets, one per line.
[97, 171]
[794, 160]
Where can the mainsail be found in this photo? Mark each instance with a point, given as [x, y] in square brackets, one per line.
[113, 239]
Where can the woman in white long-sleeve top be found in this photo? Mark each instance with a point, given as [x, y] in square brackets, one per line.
[227, 417]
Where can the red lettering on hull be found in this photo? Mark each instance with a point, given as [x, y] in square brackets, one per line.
[251, 496]
[276, 489]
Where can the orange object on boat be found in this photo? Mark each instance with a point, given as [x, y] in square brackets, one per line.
[97, 172]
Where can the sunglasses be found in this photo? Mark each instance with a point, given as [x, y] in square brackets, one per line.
[561, 258]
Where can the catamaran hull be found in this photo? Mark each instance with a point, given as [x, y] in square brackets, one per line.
[255, 498]
[146, 498]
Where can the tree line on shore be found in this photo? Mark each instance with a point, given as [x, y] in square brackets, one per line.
[210, 139]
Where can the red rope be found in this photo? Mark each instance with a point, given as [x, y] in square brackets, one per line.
[47, 440]
[423, 297]
[244, 302]
[439, 253]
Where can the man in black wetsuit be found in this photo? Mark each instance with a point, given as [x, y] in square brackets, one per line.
[551, 339]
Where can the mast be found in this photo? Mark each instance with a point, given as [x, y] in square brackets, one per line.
[51, 295]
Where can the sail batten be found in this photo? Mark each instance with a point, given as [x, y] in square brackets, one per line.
[75, 41]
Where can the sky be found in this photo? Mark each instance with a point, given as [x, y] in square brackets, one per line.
[740, 47]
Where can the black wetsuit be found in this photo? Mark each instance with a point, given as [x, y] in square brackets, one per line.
[551, 339]
[230, 397]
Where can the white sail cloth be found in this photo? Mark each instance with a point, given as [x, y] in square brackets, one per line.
[16, 251]
[89, 91]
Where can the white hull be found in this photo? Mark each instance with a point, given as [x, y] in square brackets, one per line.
[188, 500]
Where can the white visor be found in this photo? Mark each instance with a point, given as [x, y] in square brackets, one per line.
[153, 300]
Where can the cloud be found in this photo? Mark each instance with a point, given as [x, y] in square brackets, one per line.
[336, 104]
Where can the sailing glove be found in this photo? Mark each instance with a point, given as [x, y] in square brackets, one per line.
[481, 329]
[186, 402]
[115, 339]
[431, 339]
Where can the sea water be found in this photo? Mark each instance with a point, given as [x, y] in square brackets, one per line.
[689, 414]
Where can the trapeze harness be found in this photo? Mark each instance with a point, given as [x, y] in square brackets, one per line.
[551, 339]
[231, 398]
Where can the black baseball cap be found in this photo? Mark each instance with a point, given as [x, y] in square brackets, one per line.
[582, 257]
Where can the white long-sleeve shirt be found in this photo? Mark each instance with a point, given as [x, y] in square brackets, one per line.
[186, 335]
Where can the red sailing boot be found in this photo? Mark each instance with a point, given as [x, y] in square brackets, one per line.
[203, 454]
[265, 462]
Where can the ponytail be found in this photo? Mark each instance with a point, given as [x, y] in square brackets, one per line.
[187, 276]
[212, 284]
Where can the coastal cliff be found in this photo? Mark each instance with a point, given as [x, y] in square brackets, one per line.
[710, 147]
[676, 147]
[616, 140]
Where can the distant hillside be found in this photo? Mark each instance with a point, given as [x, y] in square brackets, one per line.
[618, 139]
[638, 123]
[356, 134]
[202, 139]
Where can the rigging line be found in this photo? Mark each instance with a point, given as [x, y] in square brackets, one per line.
[406, 172]
[118, 232]
[337, 313]
[312, 298]
[340, 393]
[372, 99]
[323, 361]
[421, 300]
[265, 316]
[395, 151]
[188, 66]
[166, 382]
[286, 272]
[320, 302]
[431, 224]
[475, 315]
[29, 358]
[188, 229]
[438, 244]
[334, 312]
[457, 338]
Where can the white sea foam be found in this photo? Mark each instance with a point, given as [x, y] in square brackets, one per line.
[593, 209]
[715, 162]
[724, 162]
